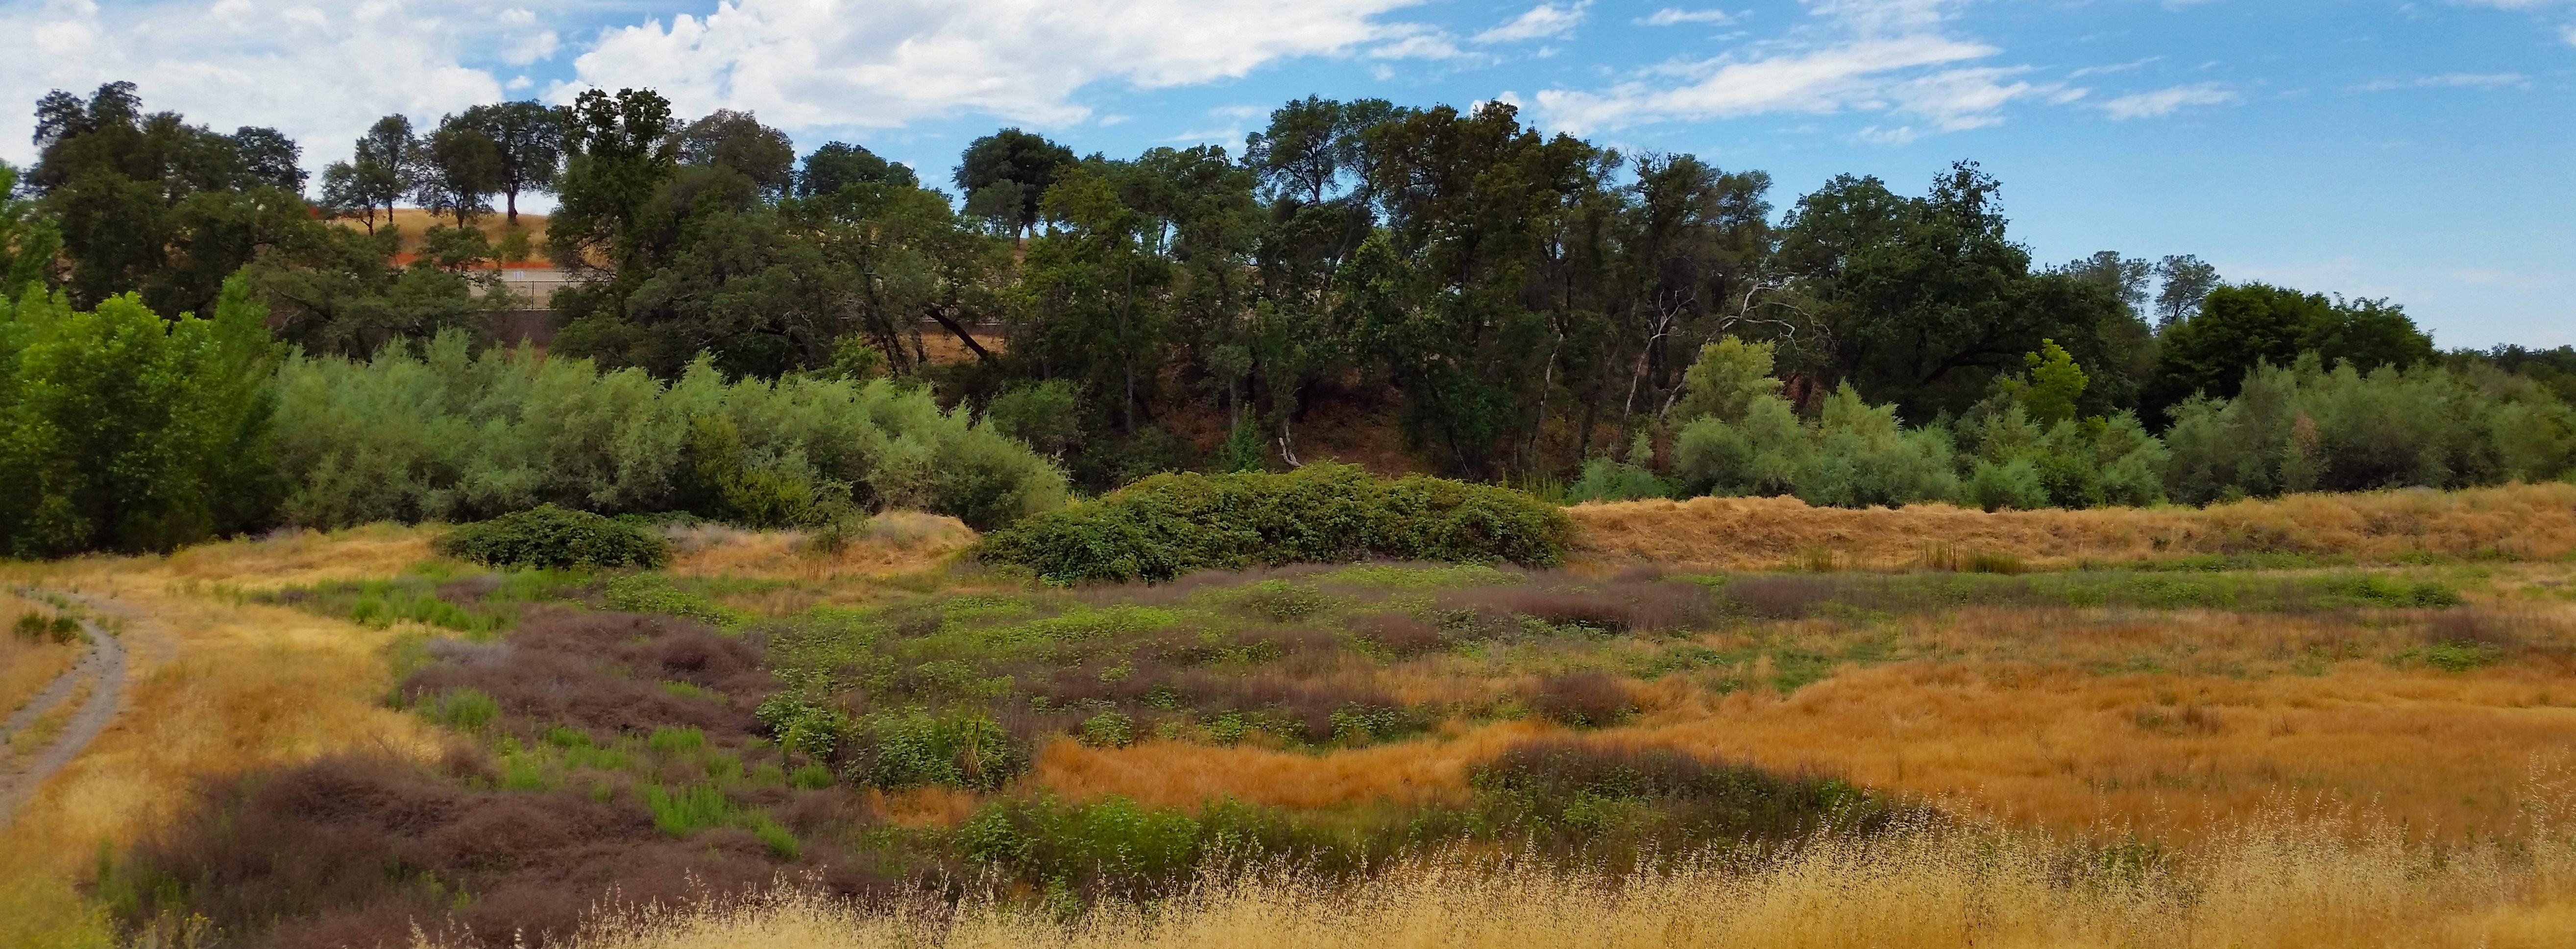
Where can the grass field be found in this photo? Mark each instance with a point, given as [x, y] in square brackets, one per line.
[2319, 721]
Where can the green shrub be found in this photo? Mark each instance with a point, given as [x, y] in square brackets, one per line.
[552, 537]
[912, 747]
[444, 433]
[1171, 524]
[1852, 455]
[468, 709]
[2307, 428]
[1109, 730]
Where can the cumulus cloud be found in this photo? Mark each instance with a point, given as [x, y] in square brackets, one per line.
[1541, 22]
[1875, 56]
[2163, 102]
[806, 63]
[318, 72]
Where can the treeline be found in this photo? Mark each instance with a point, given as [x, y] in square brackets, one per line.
[120, 430]
[1526, 307]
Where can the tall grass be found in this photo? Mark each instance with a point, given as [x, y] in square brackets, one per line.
[2290, 878]
[2527, 522]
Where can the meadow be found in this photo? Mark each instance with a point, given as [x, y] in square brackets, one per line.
[2322, 720]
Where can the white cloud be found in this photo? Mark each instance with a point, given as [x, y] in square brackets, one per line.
[2113, 68]
[806, 63]
[2448, 81]
[1879, 56]
[1541, 22]
[1416, 43]
[529, 49]
[319, 73]
[2163, 102]
[1671, 16]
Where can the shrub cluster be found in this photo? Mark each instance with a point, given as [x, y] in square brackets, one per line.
[2307, 428]
[1171, 524]
[446, 433]
[549, 537]
[2293, 428]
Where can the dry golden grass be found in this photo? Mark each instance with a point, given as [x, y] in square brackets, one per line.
[889, 543]
[26, 668]
[2288, 878]
[2023, 715]
[375, 550]
[416, 222]
[2529, 521]
[1178, 774]
[212, 688]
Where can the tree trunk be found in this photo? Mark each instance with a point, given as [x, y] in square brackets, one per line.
[1127, 354]
[514, 207]
[963, 337]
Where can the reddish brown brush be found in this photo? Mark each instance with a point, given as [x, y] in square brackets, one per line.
[1582, 698]
[604, 671]
[355, 850]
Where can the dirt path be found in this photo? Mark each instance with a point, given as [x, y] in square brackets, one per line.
[104, 672]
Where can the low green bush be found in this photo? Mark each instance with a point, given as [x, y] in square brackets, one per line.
[1171, 524]
[547, 536]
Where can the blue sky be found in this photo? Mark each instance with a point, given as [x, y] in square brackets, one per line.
[2424, 151]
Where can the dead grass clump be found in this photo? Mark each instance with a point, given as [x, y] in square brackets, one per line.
[357, 850]
[1620, 607]
[2471, 626]
[1575, 793]
[2528, 522]
[1780, 597]
[1398, 633]
[605, 671]
[1582, 698]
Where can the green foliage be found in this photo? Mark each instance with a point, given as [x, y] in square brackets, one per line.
[911, 747]
[1168, 525]
[1728, 378]
[1047, 415]
[61, 629]
[2055, 383]
[805, 728]
[1852, 455]
[2458, 656]
[147, 204]
[1606, 479]
[2386, 591]
[28, 241]
[696, 807]
[2241, 328]
[467, 709]
[2304, 428]
[121, 430]
[549, 537]
[448, 434]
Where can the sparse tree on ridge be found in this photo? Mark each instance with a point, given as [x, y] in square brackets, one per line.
[529, 141]
[459, 166]
[2186, 281]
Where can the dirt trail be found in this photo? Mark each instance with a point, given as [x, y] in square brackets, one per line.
[104, 671]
